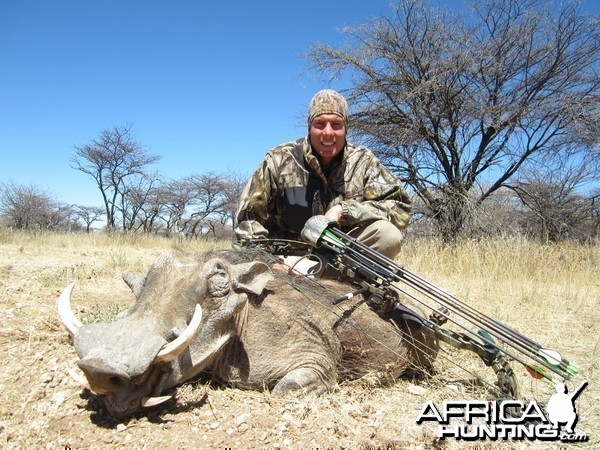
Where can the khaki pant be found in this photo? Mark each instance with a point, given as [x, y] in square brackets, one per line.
[381, 236]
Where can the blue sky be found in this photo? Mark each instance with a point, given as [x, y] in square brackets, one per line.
[208, 86]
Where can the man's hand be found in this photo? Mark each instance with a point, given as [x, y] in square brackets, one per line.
[334, 213]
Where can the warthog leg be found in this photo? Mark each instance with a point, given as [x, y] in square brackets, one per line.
[305, 378]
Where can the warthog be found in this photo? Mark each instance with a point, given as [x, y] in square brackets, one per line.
[245, 318]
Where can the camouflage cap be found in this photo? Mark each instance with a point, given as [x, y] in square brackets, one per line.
[328, 101]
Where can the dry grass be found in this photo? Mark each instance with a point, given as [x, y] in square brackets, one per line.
[550, 293]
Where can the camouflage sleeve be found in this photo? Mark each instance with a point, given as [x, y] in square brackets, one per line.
[383, 197]
[256, 203]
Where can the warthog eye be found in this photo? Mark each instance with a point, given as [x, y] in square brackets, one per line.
[219, 284]
[117, 382]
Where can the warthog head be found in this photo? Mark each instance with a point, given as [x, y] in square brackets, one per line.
[181, 318]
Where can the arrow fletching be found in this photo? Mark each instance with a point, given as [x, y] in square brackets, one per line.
[535, 371]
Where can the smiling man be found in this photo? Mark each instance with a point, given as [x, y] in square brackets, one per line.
[323, 174]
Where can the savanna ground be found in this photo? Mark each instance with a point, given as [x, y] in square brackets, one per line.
[550, 293]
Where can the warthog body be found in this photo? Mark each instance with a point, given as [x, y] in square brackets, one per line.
[260, 328]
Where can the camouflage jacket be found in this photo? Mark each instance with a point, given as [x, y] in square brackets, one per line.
[290, 186]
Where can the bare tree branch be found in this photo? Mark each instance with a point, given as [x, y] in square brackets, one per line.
[453, 103]
[116, 162]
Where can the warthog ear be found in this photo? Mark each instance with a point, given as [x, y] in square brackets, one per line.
[135, 281]
[251, 277]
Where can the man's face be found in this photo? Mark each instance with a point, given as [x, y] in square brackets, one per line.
[327, 137]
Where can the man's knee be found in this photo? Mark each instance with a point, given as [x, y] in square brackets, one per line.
[381, 236]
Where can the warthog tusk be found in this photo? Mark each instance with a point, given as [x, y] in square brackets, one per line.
[79, 379]
[63, 305]
[148, 402]
[172, 350]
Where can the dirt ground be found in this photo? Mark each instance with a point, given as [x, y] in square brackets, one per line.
[43, 407]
